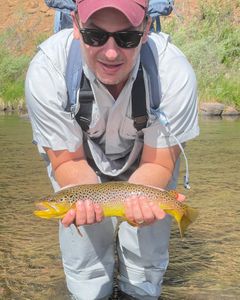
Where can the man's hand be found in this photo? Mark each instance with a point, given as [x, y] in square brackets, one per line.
[86, 213]
[140, 211]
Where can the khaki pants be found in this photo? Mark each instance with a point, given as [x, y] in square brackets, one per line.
[88, 261]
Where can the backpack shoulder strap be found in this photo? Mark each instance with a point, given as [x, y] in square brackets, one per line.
[139, 111]
[73, 75]
[149, 64]
[76, 80]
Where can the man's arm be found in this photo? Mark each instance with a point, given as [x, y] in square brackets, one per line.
[156, 166]
[155, 169]
[71, 168]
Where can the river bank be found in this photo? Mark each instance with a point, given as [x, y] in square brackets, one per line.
[209, 109]
[207, 32]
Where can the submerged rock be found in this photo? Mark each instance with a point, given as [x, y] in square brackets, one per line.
[211, 108]
[216, 109]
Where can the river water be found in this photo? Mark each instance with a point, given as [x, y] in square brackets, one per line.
[204, 265]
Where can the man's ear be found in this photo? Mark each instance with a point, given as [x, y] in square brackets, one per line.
[76, 33]
[147, 29]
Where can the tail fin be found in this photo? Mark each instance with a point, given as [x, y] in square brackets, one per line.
[188, 218]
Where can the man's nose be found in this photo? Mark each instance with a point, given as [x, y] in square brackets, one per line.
[111, 49]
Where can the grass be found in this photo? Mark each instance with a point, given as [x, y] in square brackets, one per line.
[12, 73]
[211, 41]
[15, 56]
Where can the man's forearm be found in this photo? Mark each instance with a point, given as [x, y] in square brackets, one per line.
[151, 174]
[79, 172]
[75, 172]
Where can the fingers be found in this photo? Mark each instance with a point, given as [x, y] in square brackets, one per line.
[69, 218]
[181, 197]
[140, 211]
[157, 211]
[98, 213]
[81, 213]
[86, 213]
[147, 215]
[133, 210]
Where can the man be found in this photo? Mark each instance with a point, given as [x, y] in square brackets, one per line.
[112, 144]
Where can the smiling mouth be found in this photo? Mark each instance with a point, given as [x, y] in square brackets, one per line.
[112, 66]
[109, 65]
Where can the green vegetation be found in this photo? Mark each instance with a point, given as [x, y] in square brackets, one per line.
[12, 73]
[211, 41]
[14, 64]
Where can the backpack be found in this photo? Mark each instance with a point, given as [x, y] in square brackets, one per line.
[63, 9]
[159, 8]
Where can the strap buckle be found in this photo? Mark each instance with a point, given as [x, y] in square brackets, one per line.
[73, 111]
[140, 122]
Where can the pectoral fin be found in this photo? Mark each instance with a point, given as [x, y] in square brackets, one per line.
[78, 230]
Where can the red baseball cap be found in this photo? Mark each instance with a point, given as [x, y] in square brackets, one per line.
[134, 10]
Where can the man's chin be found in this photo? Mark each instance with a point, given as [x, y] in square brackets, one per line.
[114, 86]
[109, 82]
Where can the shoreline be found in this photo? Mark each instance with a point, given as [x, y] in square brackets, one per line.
[206, 109]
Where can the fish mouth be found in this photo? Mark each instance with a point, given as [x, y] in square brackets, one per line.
[49, 210]
[42, 206]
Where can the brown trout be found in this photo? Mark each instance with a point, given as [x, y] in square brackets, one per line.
[111, 197]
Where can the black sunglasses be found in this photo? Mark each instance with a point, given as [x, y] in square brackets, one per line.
[124, 39]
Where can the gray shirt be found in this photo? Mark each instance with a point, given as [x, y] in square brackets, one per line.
[54, 128]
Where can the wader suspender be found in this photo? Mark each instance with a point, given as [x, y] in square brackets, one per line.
[139, 111]
[86, 98]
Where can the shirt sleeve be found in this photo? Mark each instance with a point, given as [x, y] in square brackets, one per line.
[46, 98]
[178, 118]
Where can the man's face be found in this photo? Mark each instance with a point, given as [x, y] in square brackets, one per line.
[110, 63]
